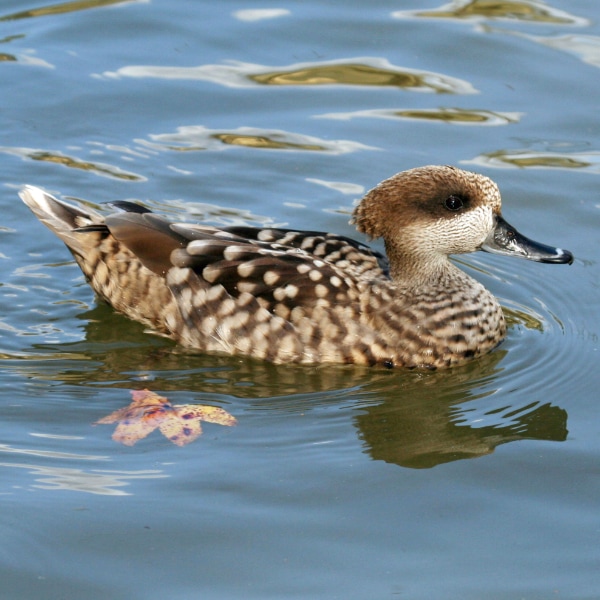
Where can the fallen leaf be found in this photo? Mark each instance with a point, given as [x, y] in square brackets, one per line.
[181, 432]
[180, 423]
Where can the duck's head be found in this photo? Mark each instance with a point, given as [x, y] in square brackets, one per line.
[431, 212]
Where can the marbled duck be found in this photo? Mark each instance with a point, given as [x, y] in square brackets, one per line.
[305, 296]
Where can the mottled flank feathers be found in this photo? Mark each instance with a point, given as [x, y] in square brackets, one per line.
[306, 297]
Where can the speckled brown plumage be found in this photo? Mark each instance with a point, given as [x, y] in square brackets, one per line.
[306, 297]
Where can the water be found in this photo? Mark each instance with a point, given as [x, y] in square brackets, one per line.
[336, 482]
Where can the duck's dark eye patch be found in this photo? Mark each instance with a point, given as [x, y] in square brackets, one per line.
[454, 202]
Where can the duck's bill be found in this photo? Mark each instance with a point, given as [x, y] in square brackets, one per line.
[505, 239]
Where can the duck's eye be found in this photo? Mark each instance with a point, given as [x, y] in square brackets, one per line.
[453, 202]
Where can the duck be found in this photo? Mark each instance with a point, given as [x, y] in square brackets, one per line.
[310, 297]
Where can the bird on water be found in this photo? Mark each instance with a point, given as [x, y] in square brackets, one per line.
[310, 297]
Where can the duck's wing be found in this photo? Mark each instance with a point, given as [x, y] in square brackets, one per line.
[279, 275]
[349, 255]
[344, 252]
[279, 278]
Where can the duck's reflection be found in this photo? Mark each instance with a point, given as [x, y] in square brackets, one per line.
[412, 419]
[440, 421]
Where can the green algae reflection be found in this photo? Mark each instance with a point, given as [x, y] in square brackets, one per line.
[72, 162]
[62, 8]
[191, 138]
[263, 141]
[362, 74]
[522, 159]
[360, 71]
[341, 74]
[526, 10]
[453, 116]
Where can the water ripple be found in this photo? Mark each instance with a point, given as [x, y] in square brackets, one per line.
[542, 333]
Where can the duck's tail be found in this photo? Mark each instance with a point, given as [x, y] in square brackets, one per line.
[61, 218]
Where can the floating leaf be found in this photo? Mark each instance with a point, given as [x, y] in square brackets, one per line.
[180, 423]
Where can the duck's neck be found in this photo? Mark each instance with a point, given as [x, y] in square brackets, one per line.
[437, 315]
[412, 270]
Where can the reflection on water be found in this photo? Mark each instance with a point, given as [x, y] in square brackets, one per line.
[586, 47]
[6, 449]
[197, 137]
[530, 11]
[106, 483]
[583, 161]
[364, 71]
[117, 353]
[10, 38]
[433, 420]
[519, 316]
[259, 14]
[63, 7]
[53, 477]
[417, 437]
[454, 116]
[356, 74]
[96, 168]
[23, 58]
[211, 214]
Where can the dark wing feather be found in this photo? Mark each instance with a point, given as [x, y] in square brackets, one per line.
[148, 236]
[130, 207]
